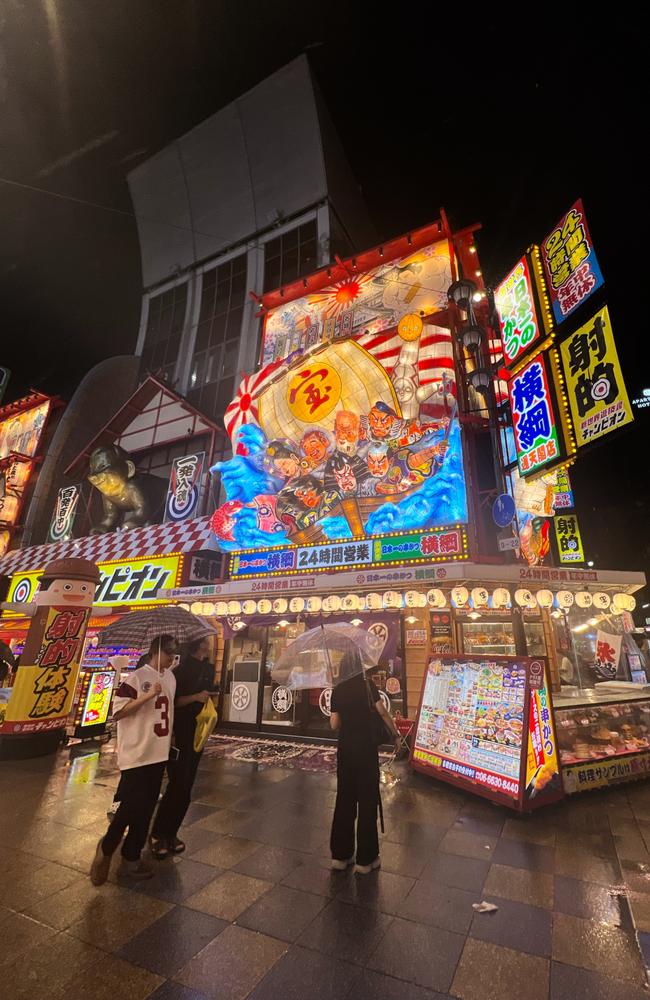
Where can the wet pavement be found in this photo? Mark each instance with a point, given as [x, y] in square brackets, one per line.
[252, 910]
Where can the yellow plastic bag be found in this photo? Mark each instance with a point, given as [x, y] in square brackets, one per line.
[206, 720]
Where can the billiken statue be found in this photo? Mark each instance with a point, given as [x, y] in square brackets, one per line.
[130, 499]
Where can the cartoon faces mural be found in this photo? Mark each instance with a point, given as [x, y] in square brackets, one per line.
[325, 441]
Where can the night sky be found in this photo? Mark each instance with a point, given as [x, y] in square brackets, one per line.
[501, 123]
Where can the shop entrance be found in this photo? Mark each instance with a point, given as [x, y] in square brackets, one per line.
[252, 701]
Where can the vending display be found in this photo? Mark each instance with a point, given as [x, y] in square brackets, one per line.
[604, 744]
[487, 724]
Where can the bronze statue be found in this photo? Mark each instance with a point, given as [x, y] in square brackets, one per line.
[130, 499]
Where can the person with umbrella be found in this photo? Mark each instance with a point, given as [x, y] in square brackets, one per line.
[144, 712]
[194, 685]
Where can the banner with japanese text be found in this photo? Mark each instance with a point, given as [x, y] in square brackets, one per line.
[608, 653]
[569, 540]
[570, 263]
[64, 515]
[521, 323]
[184, 487]
[42, 696]
[595, 386]
[537, 431]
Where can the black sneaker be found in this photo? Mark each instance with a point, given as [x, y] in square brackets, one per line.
[101, 865]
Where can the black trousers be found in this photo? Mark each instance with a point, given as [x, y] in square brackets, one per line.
[357, 800]
[176, 800]
[139, 790]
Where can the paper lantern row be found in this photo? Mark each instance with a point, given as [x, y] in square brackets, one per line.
[460, 597]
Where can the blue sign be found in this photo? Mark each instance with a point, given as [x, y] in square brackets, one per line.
[503, 510]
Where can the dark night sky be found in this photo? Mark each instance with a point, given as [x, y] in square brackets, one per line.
[506, 126]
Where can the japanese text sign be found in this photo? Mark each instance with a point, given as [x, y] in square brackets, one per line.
[569, 542]
[608, 652]
[518, 321]
[537, 435]
[44, 688]
[98, 698]
[597, 394]
[64, 515]
[137, 580]
[184, 487]
[570, 264]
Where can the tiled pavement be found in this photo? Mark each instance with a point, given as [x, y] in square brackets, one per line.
[252, 910]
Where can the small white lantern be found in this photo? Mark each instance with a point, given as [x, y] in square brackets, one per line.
[373, 602]
[436, 598]
[564, 599]
[280, 605]
[392, 599]
[545, 598]
[296, 605]
[350, 602]
[248, 607]
[208, 609]
[524, 598]
[480, 597]
[234, 607]
[601, 600]
[264, 606]
[411, 599]
[584, 599]
[197, 608]
[314, 604]
[501, 598]
[460, 597]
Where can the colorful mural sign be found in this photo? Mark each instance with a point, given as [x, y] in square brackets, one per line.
[184, 487]
[570, 263]
[97, 702]
[436, 545]
[21, 433]
[346, 438]
[516, 308]
[64, 514]
[562, 492]
[597, 394]
[569, 541]
[537, 435]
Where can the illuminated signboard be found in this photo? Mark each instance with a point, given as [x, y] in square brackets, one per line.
[14, 476]
[569, 540]
[21, 432]
[521, 320]
[538, 438]
[597, 394]
[572, 270]
[64, 514]
[485, 724]
[184, 487]
[562, 492]
[125, 581]
[351, 428]
[436, 545]
[97, 698]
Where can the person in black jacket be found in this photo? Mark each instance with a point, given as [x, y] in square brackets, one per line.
[194, 685]
[355, 707]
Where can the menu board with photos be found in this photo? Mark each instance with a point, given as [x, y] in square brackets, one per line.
[486, 723]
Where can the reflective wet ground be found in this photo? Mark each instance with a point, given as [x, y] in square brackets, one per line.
[251, 910]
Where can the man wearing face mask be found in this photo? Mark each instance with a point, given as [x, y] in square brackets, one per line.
[194, 685]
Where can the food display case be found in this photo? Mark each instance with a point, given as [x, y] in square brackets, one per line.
[488, 638]
[485, 723]
[603, 736]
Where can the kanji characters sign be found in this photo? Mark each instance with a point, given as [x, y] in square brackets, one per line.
[538, 438]
[569, 541]
[572, 270]
[184, 487]
[608, 652]
[597, 394]
[521, 326]
[64, 514]
[42, 695]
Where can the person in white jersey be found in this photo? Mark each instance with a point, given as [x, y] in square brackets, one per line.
[144, 711]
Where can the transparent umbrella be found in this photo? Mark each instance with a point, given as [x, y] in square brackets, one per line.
[326, 656]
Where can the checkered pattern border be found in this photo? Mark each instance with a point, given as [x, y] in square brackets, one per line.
[157, 539]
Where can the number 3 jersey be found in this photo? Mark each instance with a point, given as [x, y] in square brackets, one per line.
[144, 736]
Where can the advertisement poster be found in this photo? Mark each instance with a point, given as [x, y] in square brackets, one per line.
[21, 432]
[98, 698]
[569, 540]
[595, 387]
[42, 695]
[570, 264]
[441, 637]
[416, 637]
[514, 299]
[542, 769]
[562, 492]
[608, 653]
[602, 773]
[184, 487]
[65, 512]
[537, 436]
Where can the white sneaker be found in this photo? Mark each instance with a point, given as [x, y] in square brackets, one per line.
[366, 869]
[340, 866]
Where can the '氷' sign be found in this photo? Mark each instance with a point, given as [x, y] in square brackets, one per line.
[516, 305]
[537, 436]
[595, 386]
[572, 270]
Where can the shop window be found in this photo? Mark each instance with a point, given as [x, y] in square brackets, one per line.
[290, 256]
[165, 321]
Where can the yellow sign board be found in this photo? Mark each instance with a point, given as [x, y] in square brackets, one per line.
[594, 381]
[569, 540]
[125, 581]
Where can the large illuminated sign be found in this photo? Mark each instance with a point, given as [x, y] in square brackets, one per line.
[537, 437]
[21, 432]
[597, 394]
[570, 263]
[351, 429]
[519, 301]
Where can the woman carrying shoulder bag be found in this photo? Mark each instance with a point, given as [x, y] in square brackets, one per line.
[357, 714]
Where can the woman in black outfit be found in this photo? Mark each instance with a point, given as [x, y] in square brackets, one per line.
[355, 706]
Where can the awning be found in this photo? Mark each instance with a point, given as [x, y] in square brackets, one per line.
[157, 539]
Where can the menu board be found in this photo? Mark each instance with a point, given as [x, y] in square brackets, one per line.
[486, 723]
